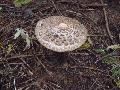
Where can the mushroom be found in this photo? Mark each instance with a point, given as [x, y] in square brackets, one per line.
[60, 34]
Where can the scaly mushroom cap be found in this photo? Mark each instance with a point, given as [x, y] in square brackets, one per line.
[60, 33]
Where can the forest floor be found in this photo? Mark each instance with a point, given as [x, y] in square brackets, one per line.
[38, 68]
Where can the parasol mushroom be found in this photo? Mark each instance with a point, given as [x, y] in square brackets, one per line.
[60, 34]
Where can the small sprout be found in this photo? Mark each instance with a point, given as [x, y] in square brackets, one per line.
[0, 8]
[114, 47]
[65, 81]
[19, 3]
[1, 72]
[9, 49]
[18, 33]
[28, 43]
[24, 35]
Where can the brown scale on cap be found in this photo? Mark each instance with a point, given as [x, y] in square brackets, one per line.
[60, 34]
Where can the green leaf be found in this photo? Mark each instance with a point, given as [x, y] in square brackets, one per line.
[110, 60]
[100, 51]
[19, 3]
[115, 71]
[26, 1]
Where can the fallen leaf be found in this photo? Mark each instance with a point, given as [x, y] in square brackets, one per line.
[17, 34]
[0, 8]
[1, 46]
[86, 45]
[114, 47]
[118, 83]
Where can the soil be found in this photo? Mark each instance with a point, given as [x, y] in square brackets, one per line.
[38, 68]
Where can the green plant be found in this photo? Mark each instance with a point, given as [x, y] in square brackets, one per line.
[19, 3]
[111, 60]
[21, 32]
[100, 51]
[9, 48]
[114, 62]
[115, 71]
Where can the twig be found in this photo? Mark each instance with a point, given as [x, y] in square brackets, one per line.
[96, 35]
[81, 16]
[20, 56]
[47, 7]
[107, 24]
[14, 63]
[86, 9]
[83, 5]
[14, 83]
[93, 5]
[26, 84]
[119, 37]
[78, 53]
[30, 70]
[56, 7]
[77, 14]
[92, 85]
[39, 61]
[56, 85]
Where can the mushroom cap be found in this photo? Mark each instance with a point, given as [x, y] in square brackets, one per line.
[60, 34]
